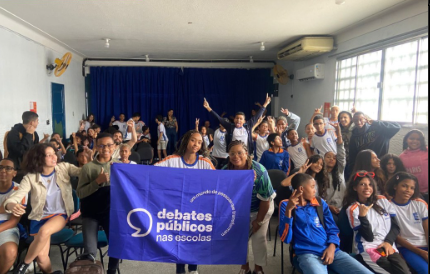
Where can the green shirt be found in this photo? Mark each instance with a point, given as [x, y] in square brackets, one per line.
[87, 184]
[263, 189]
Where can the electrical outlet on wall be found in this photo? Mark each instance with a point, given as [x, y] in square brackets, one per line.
[47, 122]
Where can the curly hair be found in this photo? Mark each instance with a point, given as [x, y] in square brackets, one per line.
[399, 177]
[34, 160]
[182, 149]
[245, 147]
[350, 118]
[351, 196]
[397, 162]
[321, 177]
[423, 146]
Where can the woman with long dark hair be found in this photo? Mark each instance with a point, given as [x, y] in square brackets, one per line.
[372, 217]
[391, 164]
[315, 167]
[51, 201]
[367, 160]
[171, 125]
[261, 202]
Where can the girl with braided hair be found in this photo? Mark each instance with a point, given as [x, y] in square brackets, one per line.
[261, 202]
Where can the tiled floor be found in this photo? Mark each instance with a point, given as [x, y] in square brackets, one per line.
[135, 267]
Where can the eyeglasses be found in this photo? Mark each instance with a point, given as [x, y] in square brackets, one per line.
[7, 168]
[240, 153]
[103, 146]
[363, 174]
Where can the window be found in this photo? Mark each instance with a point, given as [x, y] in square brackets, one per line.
[389, 84]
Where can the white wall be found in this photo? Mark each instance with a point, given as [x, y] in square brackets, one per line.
[24, 53]
[309, 95]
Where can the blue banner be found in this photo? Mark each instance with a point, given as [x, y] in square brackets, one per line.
[175, 215]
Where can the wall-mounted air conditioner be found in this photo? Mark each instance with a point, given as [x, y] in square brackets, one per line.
[306, 48]
[310, 72]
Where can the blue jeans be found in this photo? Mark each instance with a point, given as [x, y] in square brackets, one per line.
[414, 260]
[180, 268]
[342, 263]
[172, 135]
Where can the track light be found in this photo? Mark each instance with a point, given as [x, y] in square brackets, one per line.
[262, 47]
[147, 57]
[250, 59]
[107, 42]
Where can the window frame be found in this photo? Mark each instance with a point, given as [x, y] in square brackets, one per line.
[384, 48]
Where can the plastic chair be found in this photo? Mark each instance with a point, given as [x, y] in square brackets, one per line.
[146, 152]
[134, 157]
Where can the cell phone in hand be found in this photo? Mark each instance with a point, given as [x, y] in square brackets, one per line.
[381, 251]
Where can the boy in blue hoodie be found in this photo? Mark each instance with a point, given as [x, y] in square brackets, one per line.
[315, 242]
[276, 157]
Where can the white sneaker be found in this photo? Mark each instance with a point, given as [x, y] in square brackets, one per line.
[243, 271]
[194, 272]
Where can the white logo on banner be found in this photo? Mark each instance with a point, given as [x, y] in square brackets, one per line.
[136, 234]
[183, 221]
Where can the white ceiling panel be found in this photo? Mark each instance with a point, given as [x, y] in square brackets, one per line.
[190, 29]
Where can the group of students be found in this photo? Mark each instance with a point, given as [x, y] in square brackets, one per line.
[320, 159]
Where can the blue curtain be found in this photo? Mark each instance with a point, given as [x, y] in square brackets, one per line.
[155, 90]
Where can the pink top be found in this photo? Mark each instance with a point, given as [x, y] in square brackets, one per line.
[416, 162]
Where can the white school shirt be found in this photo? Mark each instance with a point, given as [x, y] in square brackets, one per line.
[324, 143]
[178, 162]
[240, 133]
[261, 145]
[298, 154]
[206, 139]
[220, 147]
[122, 126]
[381, 224]
[327, 125]
[162, 129]
[87, 125]
[138, 127]
[5, 195]
[410, 217]
[54, 203]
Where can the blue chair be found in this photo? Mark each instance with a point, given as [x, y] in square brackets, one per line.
[77, 242]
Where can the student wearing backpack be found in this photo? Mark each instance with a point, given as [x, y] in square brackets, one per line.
[306, 222]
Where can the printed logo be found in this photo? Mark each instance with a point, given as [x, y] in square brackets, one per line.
[300, 149]
[329, 140]
[317, 221]
[416, 217]
[197, 225]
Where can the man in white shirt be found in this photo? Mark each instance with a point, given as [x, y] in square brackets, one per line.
[324, 139]
[121, 123]
[162, 137]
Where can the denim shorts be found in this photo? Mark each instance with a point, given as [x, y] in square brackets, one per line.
[9, 235]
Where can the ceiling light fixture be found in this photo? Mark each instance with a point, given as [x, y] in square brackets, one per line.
[262, 47]
[107, 42]
[250, 59]
[147, 57]
[339, 2]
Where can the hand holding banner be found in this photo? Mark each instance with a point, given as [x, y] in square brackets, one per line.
[176, 215]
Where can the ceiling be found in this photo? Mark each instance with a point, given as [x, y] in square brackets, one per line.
[190, 29]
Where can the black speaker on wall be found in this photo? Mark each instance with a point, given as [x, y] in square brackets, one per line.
[275, 90]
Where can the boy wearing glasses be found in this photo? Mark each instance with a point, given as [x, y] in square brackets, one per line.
[324, 139]
[94, 191]
[9, 232]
